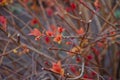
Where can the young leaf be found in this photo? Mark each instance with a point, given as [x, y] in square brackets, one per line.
[57, 68]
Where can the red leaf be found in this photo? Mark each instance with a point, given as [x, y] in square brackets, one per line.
[49, 33]
[73, 69]
[60, 29]
[53, 28]
[47, 39]
[57, 68]
[58, 38]
[68, 9]
[95, 51]
[34, 21]
[93, 73]
[68, 43]
[81, 31]
[85, 76]
[78, 59]
[3, 22]
[49, 11]
[89, 57]
[35, 32]
[73, 6]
